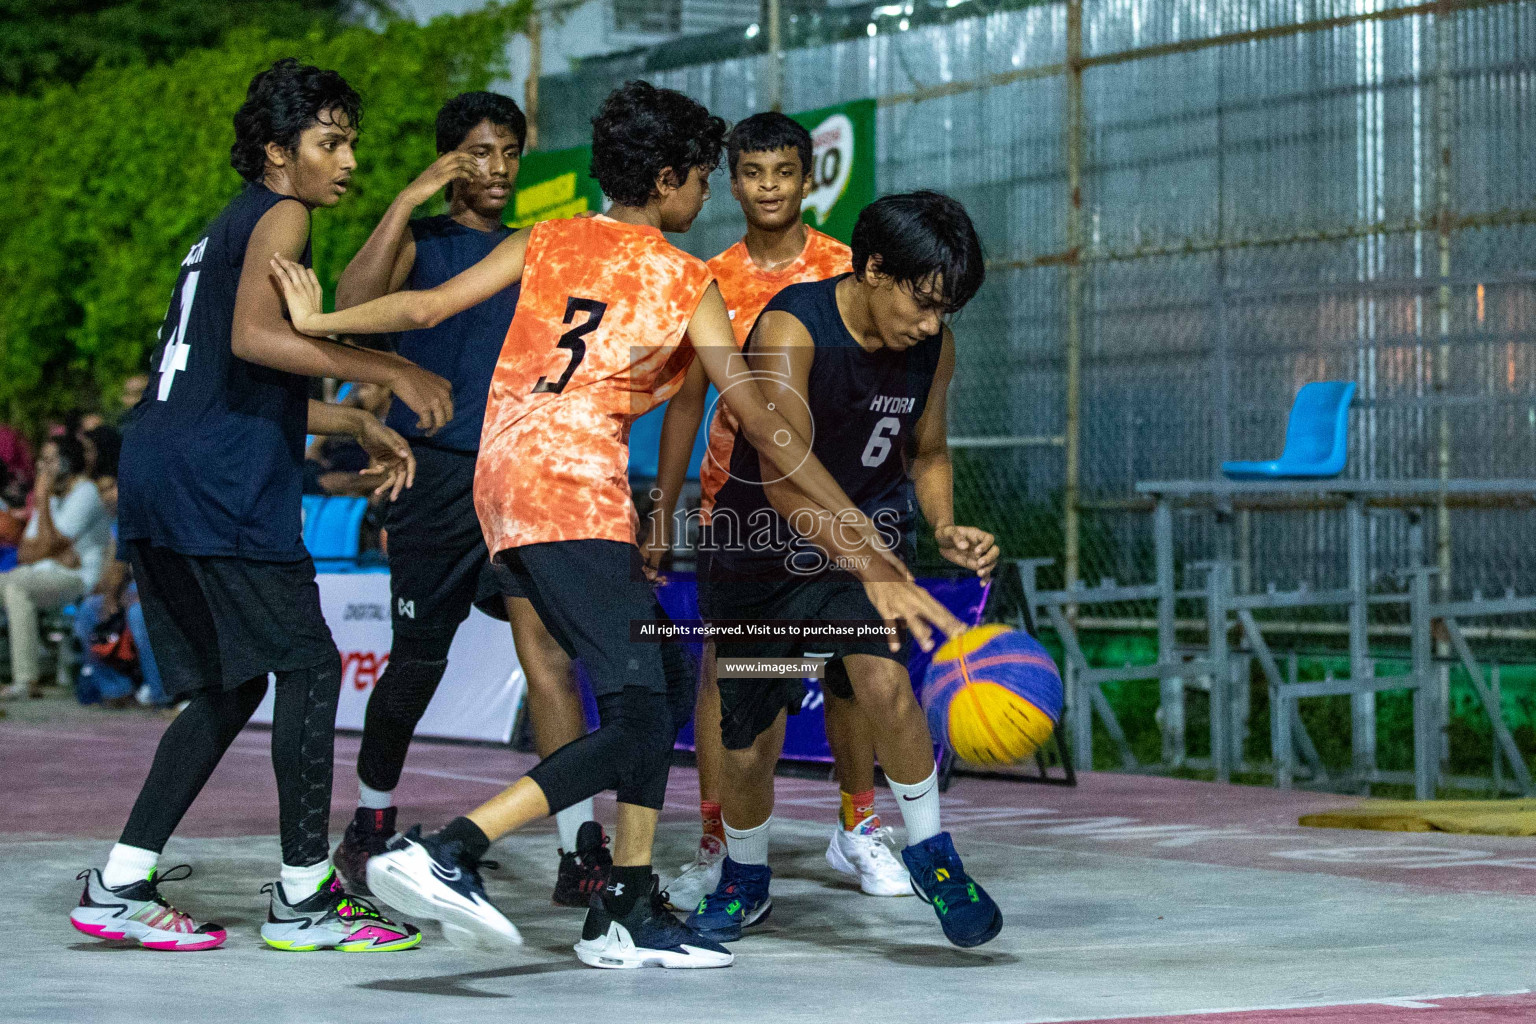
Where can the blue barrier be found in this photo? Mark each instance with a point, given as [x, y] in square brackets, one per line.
[805, 737]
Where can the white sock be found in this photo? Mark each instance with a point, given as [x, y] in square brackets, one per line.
[748, 846]
[919, 807]
[128, 864]
[302, 883]
[374, 799]
[569, 821]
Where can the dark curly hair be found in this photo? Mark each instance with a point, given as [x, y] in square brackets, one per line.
[926, 241]
[642, 130]
[766, 132]
[281, 102]
[459, 116]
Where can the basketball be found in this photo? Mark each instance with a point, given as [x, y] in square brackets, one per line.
[993, 695]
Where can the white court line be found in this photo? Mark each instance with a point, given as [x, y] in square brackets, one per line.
[1423, 1002]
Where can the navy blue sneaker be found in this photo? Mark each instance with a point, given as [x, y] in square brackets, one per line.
[739, 901]
[428, 877]
[966, 913]
[648, 936]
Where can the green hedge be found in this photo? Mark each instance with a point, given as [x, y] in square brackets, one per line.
[110, 180]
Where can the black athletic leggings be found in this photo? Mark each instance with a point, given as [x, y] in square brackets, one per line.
[399, 699]
[303, 740]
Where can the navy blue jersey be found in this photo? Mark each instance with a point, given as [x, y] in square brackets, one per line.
[462, 349]
[213, 454]
[864, 406]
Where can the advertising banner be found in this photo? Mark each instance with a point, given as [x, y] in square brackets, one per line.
[554, 185]
[478, 699]
[843, 168]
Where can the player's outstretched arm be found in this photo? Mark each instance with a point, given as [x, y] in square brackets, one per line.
[389, 456]
[679, 428]
[933, 476]
[385, 260]
[263, 336]
[401, 311]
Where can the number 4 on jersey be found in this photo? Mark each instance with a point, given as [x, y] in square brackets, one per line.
[174, 358]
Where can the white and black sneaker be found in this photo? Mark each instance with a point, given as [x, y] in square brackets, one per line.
[648, 936]
[429, 877]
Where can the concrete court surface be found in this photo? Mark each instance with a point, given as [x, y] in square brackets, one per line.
[1126, 898]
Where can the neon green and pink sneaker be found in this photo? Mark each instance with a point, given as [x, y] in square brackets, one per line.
[137, 911]
[331, 918]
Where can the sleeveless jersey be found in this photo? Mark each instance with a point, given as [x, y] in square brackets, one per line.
[746, 288]
[463, 348]
[213, 454]
[863, 405]
[598, 341]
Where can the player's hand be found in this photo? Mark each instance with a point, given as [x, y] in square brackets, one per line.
[903, 601]
[871, 537]
[389, 457]
[429, 396]
[653, 550]
[968, 546]
[302, 293]
[451, 166]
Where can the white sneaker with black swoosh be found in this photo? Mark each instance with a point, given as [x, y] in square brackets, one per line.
[427, 877]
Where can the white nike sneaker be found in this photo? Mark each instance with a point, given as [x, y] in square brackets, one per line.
[425, 877]
[699, 878]
[864, 854]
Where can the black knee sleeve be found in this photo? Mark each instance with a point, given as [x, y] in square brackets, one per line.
[303, 753]
[399, 699]
[630, 752]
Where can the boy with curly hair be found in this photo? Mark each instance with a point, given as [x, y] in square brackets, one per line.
[608, 321]
[208, 516]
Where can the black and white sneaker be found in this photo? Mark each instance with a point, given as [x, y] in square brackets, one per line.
[426, 877]
[648, 936]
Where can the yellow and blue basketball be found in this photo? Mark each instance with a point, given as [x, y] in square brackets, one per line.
[993, 695]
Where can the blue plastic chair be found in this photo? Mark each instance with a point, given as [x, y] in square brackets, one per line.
[1316, 436]
[335, 538]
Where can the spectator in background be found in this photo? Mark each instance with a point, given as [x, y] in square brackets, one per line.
[114, 594]
[133, 390]
[16, 455]
[103, 444]
[334, 465]
[62, 553]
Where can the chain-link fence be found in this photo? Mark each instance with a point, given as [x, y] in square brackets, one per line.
[1190, 208]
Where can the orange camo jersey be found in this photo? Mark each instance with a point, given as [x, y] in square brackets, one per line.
[746, 288]
[597, 341]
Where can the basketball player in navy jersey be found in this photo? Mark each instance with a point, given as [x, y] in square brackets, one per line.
[209, 517]
[860, 363]
[438, 562]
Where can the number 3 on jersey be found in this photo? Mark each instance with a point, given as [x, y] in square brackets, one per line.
[879, 445]
[574, 340]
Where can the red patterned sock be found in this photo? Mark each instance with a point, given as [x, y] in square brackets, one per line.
[714, 824]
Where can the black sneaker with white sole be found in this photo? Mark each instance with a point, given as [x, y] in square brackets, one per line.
[427, 876]
[648, 936]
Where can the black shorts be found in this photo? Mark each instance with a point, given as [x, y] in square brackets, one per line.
[438, 565]
[749, 707]
[218, 622]
[587, 592]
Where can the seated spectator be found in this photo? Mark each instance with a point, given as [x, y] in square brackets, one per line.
[103, 446]
[133, 390]
[110, 684]
[62, 553]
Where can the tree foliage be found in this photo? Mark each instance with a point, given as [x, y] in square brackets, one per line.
[43, 43]
[112, 180]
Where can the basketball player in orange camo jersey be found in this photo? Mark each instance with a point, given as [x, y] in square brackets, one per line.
[769, 156]
[598, 339]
